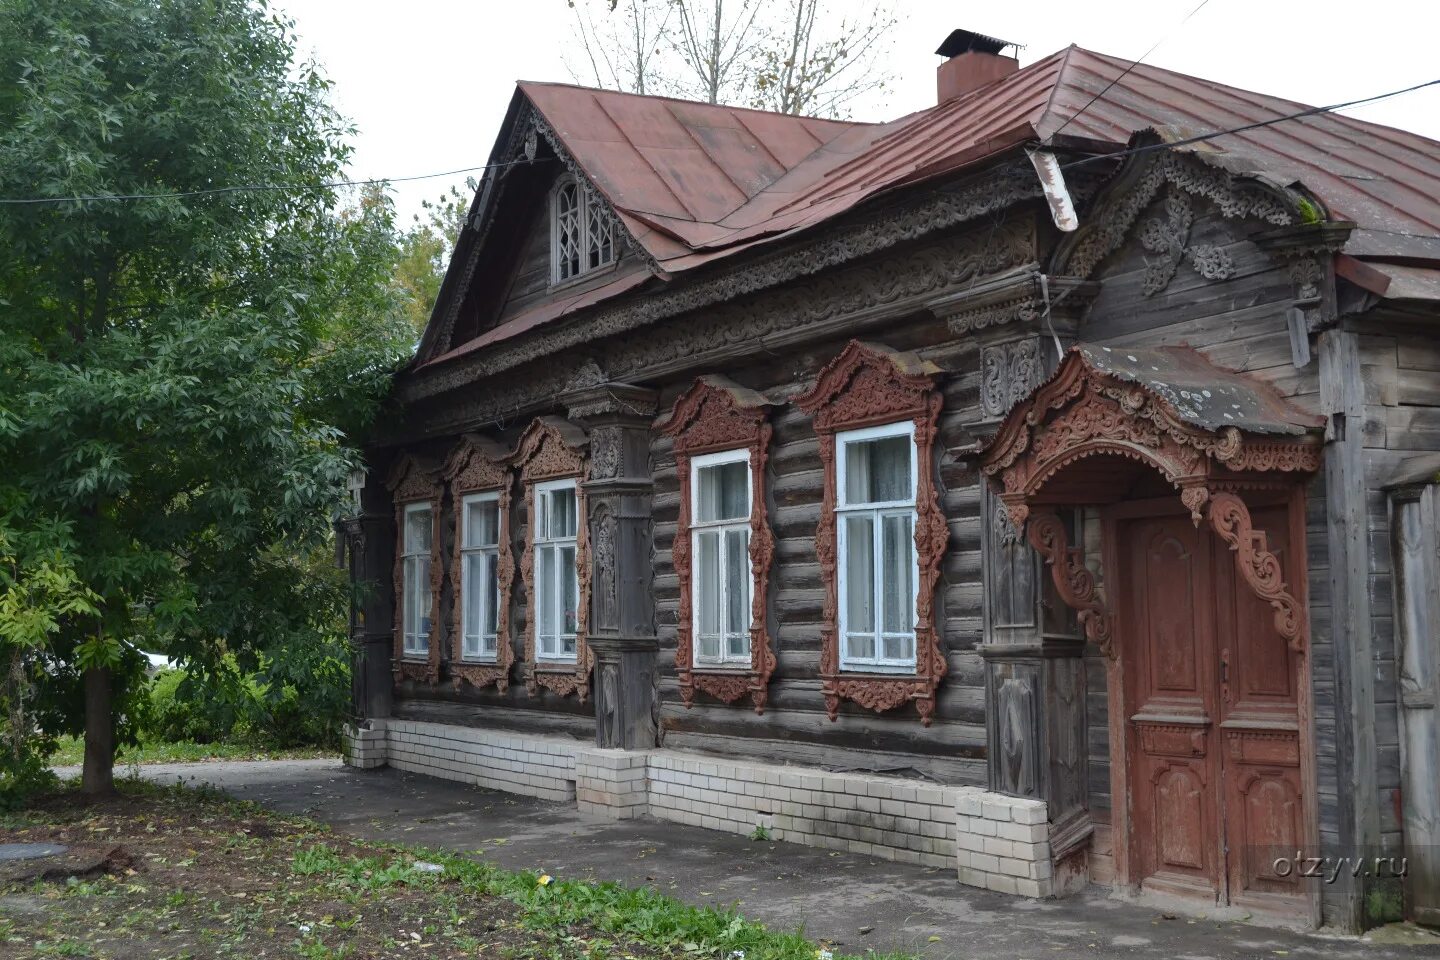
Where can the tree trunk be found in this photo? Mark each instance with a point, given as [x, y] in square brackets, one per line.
[98, 778]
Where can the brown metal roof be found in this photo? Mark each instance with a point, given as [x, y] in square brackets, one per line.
[698, 181]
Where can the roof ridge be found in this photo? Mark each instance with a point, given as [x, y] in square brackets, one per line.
[694, 103]
[1060, 79]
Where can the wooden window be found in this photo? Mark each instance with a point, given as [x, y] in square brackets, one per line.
[582, 232]
[875, 522]
[882, 534]
[415, 564]
[479, 576]
[720, 545]
[723, 544]
[557, 581]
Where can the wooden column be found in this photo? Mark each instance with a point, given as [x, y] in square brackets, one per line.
[1358, 798]
[368, 539]
[618, 496]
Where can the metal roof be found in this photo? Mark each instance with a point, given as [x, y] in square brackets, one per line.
[698, 181]
[1199, 392]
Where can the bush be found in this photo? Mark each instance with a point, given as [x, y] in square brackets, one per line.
[180, 710]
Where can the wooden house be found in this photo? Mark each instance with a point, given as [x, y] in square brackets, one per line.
[1041, 485]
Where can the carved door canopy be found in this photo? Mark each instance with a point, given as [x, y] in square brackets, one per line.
[1107, 414]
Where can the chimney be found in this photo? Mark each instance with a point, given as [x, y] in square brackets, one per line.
[972, 60]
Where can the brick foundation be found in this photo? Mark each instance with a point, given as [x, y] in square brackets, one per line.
[996, 842]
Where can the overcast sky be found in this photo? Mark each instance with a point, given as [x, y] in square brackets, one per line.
[427, 81]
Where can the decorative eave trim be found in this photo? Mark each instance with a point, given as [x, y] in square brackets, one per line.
[869, 384]
[477, 465]
[994, 190]
[717, 414]
[412, 480]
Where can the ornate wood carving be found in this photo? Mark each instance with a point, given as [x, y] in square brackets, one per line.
[1073, 580]
[411, 481]
[477, 466]
[552, 448]
[1169, 236]
[1259, 567]
[713, 415]
[866, 385]
[1008, 372]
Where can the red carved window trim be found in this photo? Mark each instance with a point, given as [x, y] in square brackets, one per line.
[713, 416]
[869, 385]
[477, 466]
[552, 448]
[411, 482]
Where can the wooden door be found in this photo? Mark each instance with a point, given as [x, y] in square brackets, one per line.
[1214, 736]
[1170, 649]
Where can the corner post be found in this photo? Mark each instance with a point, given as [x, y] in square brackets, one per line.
[367, 538]
[618, 495]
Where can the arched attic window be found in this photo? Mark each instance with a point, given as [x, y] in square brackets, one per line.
[582, 237]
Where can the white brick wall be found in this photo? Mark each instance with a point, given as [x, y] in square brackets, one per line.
[998, 842]
[1003, 843]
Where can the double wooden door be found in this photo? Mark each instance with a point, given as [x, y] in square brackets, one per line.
[1213, 738]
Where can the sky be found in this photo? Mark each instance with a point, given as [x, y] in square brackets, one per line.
[427, 82]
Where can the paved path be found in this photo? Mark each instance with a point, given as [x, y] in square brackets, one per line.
[834, 896]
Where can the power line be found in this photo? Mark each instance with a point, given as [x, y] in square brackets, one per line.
[1309, 112]
[257, 187]
[1127, 70]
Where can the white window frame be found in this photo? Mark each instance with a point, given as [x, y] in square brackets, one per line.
[878, 663]
[720, 527]
[490, 596]
[555, 593]
[415, 590]
[594, 229]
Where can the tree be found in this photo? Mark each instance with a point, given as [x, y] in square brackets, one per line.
[793, 56]
[424, 253]
[192, 330]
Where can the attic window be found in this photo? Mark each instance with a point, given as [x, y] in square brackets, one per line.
[582, 237]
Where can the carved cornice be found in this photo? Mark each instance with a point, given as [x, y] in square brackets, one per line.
[713, 415]
[986, 194]
[1115, 213]
[865, 385]
[411, 481]
[552, 448]
[477, 465]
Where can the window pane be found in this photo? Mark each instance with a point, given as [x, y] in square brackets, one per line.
[569, 587]
[877, 471]
[900, 648]
[561, 513]
[724, 492]
[738, 646]
[737, 581]
[491, 581]
[859, 574]
[709, 646]
[482, 523]
[545, 593]
[473, 600]
[861, 647]
[707, 582]
[897, 545]
[410, 619]
[417, 530]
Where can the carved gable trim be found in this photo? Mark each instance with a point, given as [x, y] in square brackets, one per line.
[477, 465]
[868, 385]
[413, 481]
[553, 448]
[713, 415]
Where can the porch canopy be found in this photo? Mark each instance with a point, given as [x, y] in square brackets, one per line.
[1115, 423]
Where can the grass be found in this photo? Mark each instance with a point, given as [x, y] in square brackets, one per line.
[193, 874]
[72, 753]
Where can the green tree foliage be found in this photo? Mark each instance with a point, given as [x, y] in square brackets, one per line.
[181, 372]
[425, 251]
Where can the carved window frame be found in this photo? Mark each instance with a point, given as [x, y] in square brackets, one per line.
[870, 385]
[592, 228]
[716, 415]
[552, 448]
[477, 467]
[410, 482]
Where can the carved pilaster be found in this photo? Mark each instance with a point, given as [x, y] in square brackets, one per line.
[367, 538]
[618, 494]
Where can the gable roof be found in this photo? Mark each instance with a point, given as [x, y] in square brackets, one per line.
[698, 181]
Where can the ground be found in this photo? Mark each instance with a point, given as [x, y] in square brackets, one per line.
[852, 902]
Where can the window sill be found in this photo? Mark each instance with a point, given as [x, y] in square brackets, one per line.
[557, 666]
[872, 670]
[580, 278]
[489, 661]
